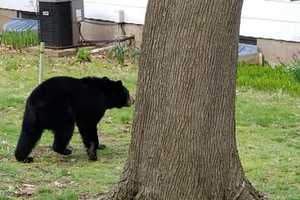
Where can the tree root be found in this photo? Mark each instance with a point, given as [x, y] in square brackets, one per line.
[125, 191]
[122, 191]
[248, 192]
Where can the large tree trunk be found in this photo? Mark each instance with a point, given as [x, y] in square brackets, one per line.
[183, 144]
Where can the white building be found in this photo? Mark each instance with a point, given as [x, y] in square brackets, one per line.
[274, 24]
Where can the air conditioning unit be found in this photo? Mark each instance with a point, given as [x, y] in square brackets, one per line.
[60, 22]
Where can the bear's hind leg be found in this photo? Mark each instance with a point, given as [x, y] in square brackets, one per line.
[62, 138]
[89, 136]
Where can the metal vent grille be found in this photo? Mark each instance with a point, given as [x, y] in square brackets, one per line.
[56, 24]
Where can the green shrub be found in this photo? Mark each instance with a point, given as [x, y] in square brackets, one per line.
[83, 55]
[19, 40]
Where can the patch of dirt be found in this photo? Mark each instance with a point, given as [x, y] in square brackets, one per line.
[45, 153]
[7, 50]
[88, 196]
[41, 151]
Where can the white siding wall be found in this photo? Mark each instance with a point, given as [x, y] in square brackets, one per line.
[25, 5]
[134, 10]
[274, 19]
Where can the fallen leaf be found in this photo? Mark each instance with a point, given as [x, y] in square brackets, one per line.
[26, 190]
[63, 183]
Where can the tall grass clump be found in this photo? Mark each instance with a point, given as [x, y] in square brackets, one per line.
[121, 52]
[19, 40]
[294, 68]
[269, 79]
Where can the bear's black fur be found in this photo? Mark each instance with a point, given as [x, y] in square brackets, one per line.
[60, 102]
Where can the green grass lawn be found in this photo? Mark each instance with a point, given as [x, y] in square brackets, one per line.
[268, 131]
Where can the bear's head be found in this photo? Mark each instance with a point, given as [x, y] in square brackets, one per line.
[118, 94]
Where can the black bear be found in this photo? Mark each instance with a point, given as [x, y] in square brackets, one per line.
[60, 102]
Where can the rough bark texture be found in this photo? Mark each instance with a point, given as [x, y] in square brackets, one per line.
[183, 144]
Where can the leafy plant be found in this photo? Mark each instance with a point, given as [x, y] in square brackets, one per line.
[134, 55]
[294, 68]
[83, 55]
[19, 40]
[118, 53]
[297, 73]
[121, 52]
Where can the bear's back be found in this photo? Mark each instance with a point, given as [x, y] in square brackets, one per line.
[58, 89]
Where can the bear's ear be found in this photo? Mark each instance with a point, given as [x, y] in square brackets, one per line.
[119, 83]
[105, 79]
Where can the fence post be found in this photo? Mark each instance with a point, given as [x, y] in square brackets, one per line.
[41, 62]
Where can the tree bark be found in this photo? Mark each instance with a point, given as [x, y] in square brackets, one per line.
[183, 142]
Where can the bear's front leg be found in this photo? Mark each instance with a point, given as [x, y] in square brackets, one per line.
[28, 138]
